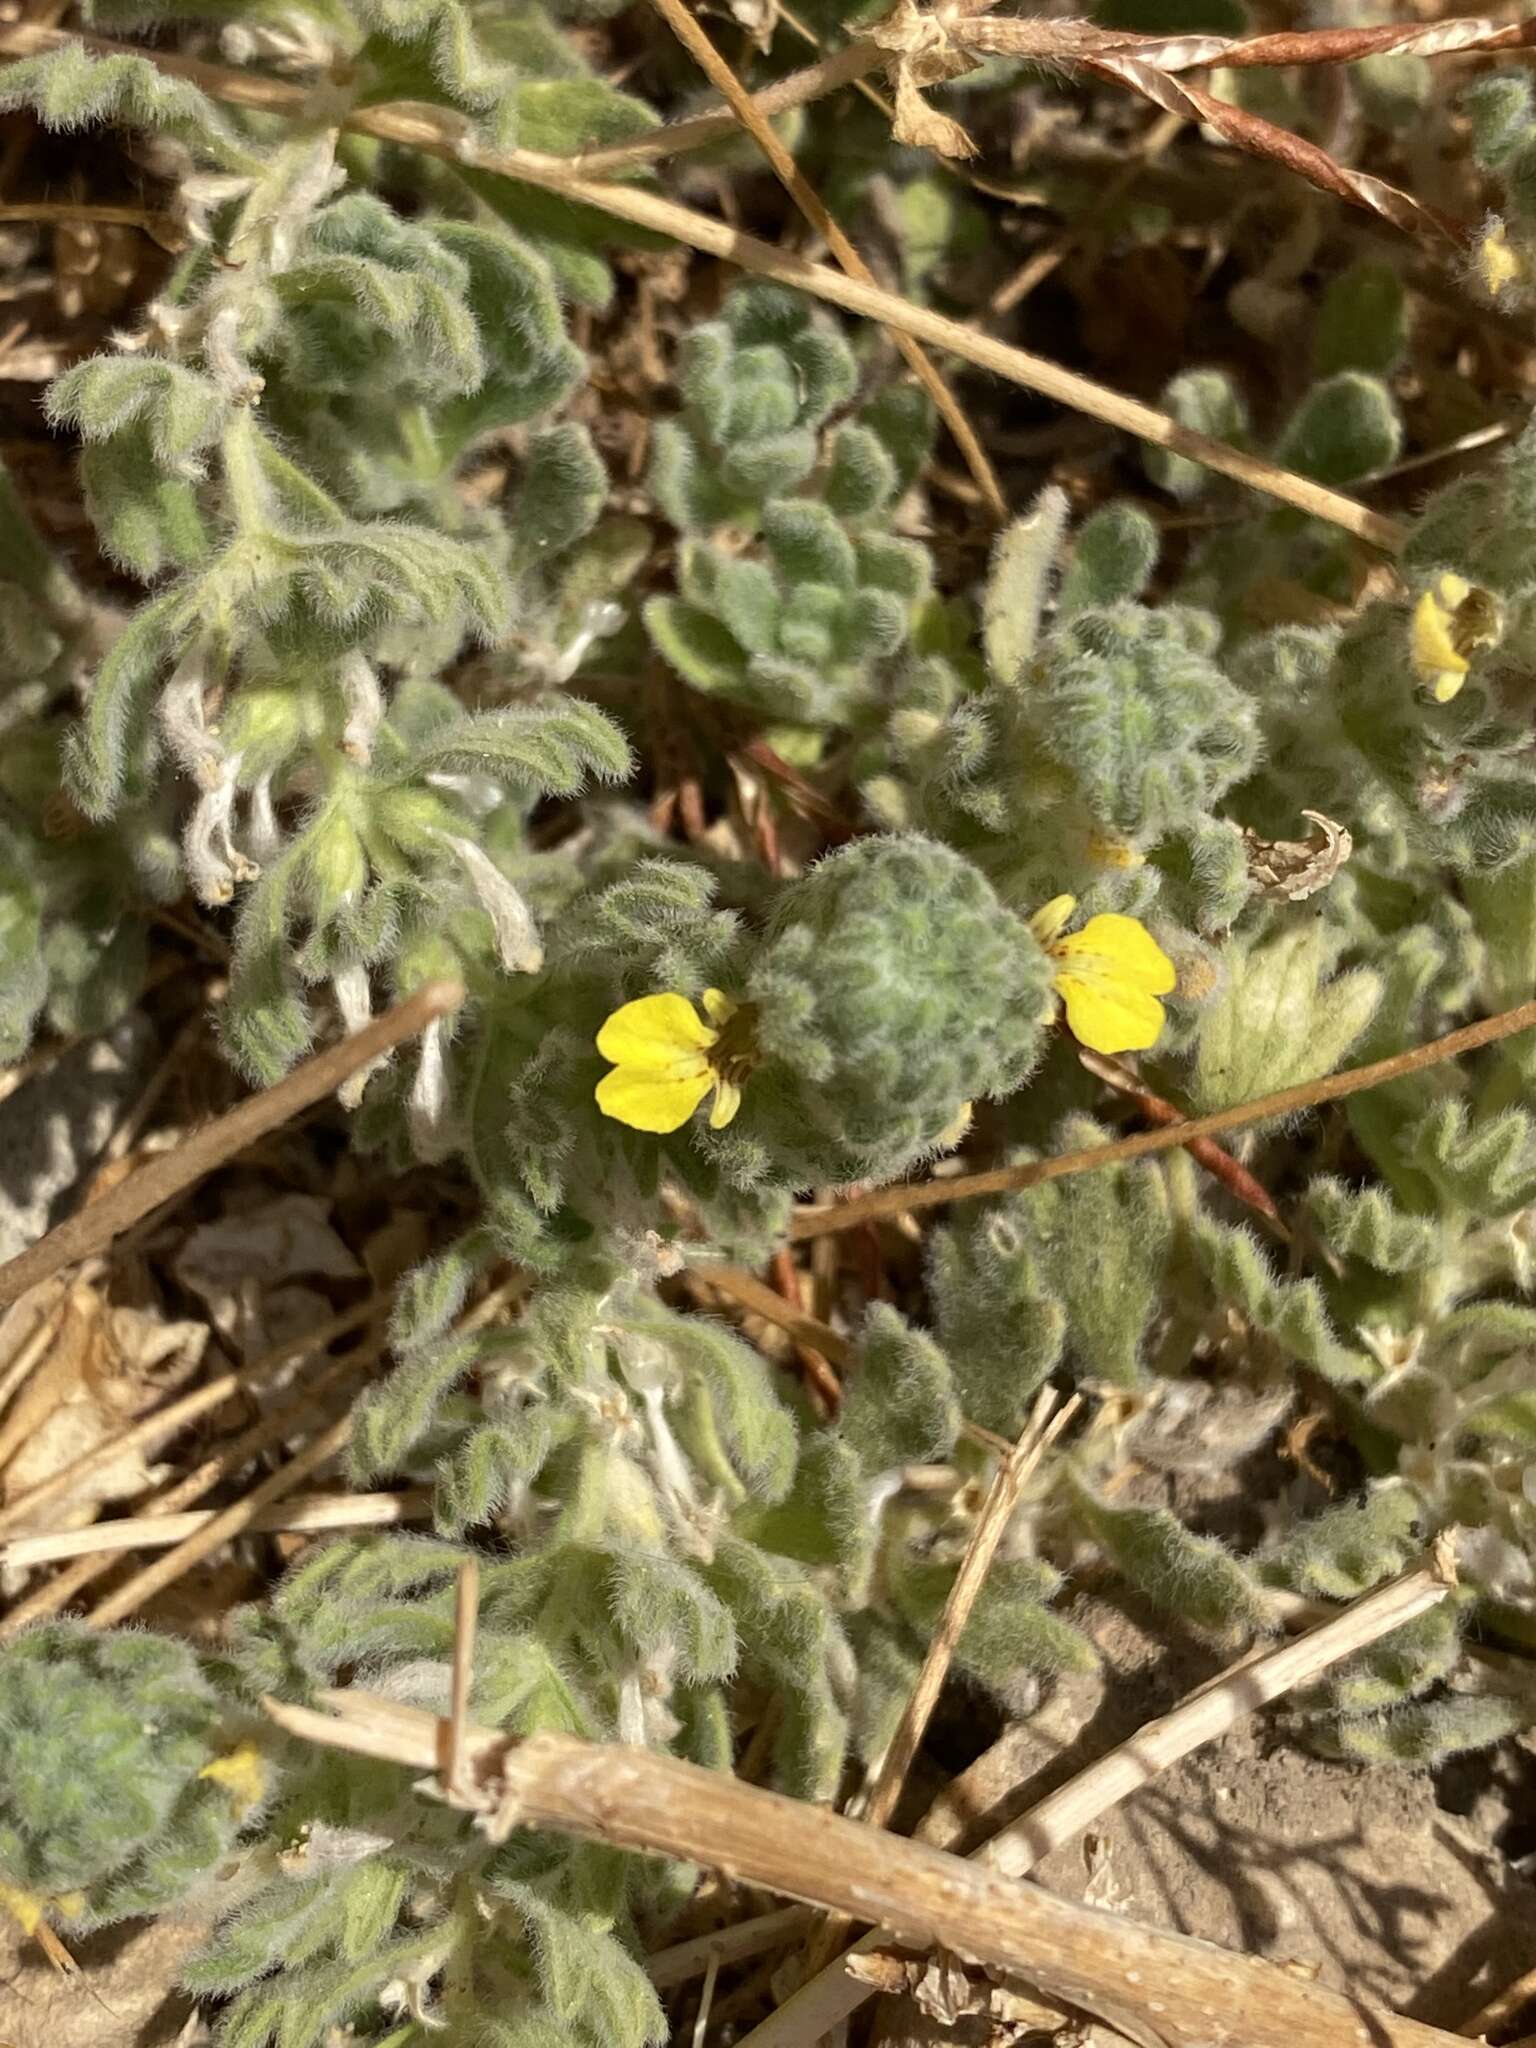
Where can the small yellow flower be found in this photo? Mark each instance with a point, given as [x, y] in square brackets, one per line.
[25, 1908]
[666, 1059]
[1497, 261]
[1109, 975]
[243, 1773]
[1450, 621]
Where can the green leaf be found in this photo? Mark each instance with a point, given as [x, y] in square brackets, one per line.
[1346, 427]
[1363, 321]
[117, 712]
[701, 648]
[1113, 556]
[1277, 1018]
[899, 1406]
[1208, 402]
[549, 748]
[1019, 583]
[1186, 1575]
[1292, 1312]
[1426, 1733]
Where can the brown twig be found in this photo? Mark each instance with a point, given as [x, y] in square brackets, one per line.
[163, 1179]
[315, 1511]
[164, 228]
[991, 1525]
[1294, 153]
[814, 1364]
[1465, 35]
[466, 1622]
[1234, 1177]
[59, 1592]
[23, 1510]
[441, 134]
[808, 1331]
[1182, 1992]
[1001, 1180]
[1041, 1431]
[829, 75]
[1503, 2007]
[1202, 1717]
[684, 25]
[737, 1943]
[229, 1523]
[754, 1295]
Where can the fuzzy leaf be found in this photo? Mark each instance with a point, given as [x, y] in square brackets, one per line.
[1019, 584]
[900, 1406]
[1186, 1575]
[1426, 1733]
[550, 748]
[1113, 556]
[1208, 402]
[1277, 1018]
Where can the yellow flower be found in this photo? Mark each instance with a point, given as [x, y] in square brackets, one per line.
[1450, 621]
[666, 1059]
[1109, 975]
[244, 1775]
[1497, 261]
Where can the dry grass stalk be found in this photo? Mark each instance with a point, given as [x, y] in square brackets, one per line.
[1294, 153]
[466, 1622]
[58, 1592]
[1185, 1993]
[890, 1201]
[685, 27]
[996, 35]
[828, 75]
[1504, 2006]
[738, 1943]
[997, 1511]
[1206, 1715]
[441, 134]
[221, 1528]
[316, 1511]
[163, 1179]
[17, 1514]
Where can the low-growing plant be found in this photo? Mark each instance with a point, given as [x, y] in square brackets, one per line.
[393, 648]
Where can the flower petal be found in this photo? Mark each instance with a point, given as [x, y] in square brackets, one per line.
[243, 1773]
[655, 1032]
[725, 1105]
[650, 1101]
[1110, 1016]
[717, 1006]
[1497, 261]
[1110, 976]
[1112, 946]
[1435, 654]
[1049, 921]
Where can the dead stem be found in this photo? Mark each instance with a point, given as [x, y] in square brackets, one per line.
[314, 1512]
[928, 1194]
[224, 1526]
[685, 27]
[23, 1510]
[441, 134]
[163, 1179]
[991, 1525]
[1204, 1716]
[1183, 1992]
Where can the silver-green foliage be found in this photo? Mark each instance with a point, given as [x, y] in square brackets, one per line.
[358, 708]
